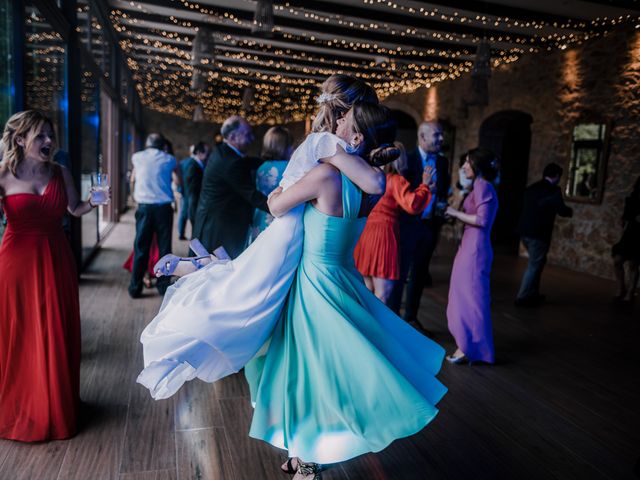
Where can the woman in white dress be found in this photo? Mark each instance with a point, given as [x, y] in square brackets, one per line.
[214, 320]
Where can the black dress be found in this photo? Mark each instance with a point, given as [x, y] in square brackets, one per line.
[629, 245]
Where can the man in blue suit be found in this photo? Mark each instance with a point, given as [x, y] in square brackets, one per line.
[419, 233]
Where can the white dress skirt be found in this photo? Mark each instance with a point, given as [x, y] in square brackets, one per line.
[213, 321]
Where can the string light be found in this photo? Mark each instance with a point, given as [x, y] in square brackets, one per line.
[160, 61]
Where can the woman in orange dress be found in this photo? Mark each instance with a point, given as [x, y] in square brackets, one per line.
[39, 308]
[376, 253]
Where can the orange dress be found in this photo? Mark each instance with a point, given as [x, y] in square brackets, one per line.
[39, 319]
[376, 254]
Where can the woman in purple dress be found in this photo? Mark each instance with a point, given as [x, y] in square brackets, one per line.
[469, 309]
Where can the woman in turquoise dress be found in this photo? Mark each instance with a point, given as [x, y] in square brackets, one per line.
[277, 147]
[342, 375]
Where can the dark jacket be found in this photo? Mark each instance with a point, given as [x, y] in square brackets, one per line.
[192, 184]
[542, 202]
[414, 175]
[228, 198]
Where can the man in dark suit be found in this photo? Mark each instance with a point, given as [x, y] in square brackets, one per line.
[192, 178]
[419, 233]
[542, 202]
[228, 196]
[183, 214]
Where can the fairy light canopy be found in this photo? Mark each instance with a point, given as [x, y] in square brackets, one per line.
[282, 50]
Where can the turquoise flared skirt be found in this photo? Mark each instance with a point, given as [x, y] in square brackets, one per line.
[342, 374]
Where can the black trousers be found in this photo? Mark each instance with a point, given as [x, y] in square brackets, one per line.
[537, 250]
[417, 244]
[150, 219]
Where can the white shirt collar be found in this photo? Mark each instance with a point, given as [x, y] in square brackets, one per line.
[423, 154]
[234, 149]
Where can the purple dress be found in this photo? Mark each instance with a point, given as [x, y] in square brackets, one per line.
[469, 309]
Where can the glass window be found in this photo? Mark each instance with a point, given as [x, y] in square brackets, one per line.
[45, 71]
[100, 46]
[586, 170]
[124, 89]
[7, 71]
[84, 22]
[109, 131]
[90, 95]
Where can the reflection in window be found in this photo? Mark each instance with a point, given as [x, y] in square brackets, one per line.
[45, 71]
[92, 35]
[587, 162]
[90, 95]
[84, 22]
[124, 89]
[6, 72]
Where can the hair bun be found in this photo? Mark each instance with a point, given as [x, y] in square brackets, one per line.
[384, 154]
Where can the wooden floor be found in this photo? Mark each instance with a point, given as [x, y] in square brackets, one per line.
[563, 400]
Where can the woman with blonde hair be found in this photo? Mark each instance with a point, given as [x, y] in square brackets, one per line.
[214, 320]
[277, 147]
[377, 251]
[39, 308]
[342, 375]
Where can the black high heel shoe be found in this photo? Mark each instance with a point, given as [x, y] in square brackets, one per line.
[305, 470]
[288, 467]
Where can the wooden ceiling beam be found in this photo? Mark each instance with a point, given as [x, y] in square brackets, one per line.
[416, 20]
[431, 61]
[297, 67]
[145, 67]
[302, 62]
[502, 10]
[314, 28]
[630, 5]
[245, 34]
[257, 69]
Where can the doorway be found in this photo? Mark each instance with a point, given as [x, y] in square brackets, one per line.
[508, 135]
[407, 131]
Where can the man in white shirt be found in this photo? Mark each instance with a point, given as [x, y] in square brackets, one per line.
[153, 172]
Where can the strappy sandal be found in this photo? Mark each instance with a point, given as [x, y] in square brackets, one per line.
[168, 263]
[308, 471]
[288, 467]
[196, 246]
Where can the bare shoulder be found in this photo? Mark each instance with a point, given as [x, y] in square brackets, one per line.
[325, 171]
[5, 173]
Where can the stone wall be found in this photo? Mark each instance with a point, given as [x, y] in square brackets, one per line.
[555, 88]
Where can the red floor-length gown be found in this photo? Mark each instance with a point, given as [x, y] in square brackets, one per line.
[154, 256]
[39, 319]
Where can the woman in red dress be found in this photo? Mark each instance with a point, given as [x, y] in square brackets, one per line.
[39, 309]
[376, 254]
[154, 256]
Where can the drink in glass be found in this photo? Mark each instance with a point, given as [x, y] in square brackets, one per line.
[100, 188]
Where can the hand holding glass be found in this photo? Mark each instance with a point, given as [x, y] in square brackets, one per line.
[100, 190]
